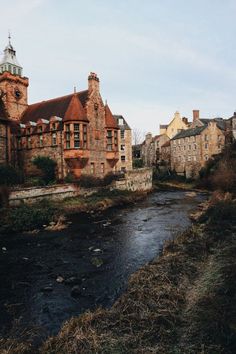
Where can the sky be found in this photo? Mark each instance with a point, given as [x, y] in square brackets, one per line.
[153, 57]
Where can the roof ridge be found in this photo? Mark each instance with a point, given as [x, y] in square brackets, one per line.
[57, 98]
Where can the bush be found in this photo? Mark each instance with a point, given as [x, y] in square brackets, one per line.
[138, 163]
[28, 217]
[4, 196]
[9, 176]
[47, 167]
[88, 181]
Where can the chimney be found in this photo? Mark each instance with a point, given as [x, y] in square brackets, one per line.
[195, 114]
[93, 83]
[185, 120]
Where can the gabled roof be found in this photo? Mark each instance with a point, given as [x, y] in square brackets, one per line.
[125, 125]
[110, 121]
[3, 112]
[75, 110]
[54, 107]
[189, 132]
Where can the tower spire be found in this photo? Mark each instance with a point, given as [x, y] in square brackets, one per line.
[9, 37]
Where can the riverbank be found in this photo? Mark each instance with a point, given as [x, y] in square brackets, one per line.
[52, 215]
[182, 302]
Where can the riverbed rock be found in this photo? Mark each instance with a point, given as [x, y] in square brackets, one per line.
[73, 281]
[60, 279]
[98, 262]
[47, 289]
[75, 291]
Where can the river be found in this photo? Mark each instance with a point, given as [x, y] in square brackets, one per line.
[49, 277]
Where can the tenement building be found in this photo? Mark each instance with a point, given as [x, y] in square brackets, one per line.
[78, 130]
[191, 148]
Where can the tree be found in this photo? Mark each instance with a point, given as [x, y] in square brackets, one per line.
[47, 167]
[138, 136]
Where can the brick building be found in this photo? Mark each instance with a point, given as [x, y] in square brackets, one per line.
[78, 130]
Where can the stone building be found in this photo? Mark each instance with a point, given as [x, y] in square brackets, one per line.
[78, 130]
[151, 149]
[125, 146]
[191, 148]
[177, 124]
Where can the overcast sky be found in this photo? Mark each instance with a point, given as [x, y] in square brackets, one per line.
[153, 57]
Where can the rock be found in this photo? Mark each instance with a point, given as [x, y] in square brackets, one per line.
[25, 259]
[75, 291]
[97, 250]
[4, 249]
[60, 279]
[47, 289]
[98, 262]
[72, 281]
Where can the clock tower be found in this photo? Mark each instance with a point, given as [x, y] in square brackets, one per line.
[13, 86]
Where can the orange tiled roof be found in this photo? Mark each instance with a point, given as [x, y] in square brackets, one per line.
[54, 107]
[75, 110]
[110, 121]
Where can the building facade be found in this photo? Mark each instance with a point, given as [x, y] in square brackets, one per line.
[125, 144]
[192, 148]
[78, 130]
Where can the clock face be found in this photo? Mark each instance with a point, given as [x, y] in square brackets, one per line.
[17, 93]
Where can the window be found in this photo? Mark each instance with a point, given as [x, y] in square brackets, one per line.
[40, 129]
[102, 168]
[122, 134]
[92, 167]
[189, 147]
[67, 136]
[41, 140]
[28, 143]
[109, 140]
[206, 157]
[84, 135]
[54, 139]
[121, 121]
[206, 146]
[76, 127]
[123, 158]
[122, 147]
[14, 70]
[53, 126]
[189, 158]
[115, 139]
[28, 131]
[76, 140]
[206, 137]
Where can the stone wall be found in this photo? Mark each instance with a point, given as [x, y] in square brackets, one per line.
[136, 180]
[55, 192]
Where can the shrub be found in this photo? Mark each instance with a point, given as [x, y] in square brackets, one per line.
[88, 181]
[47, 167]
[138, 163]
[9, 176]
[28, 217]
[4, 196]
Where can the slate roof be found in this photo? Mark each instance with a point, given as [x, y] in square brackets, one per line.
[189, 132]
[3, 113]
[219, 122]
[110, 121]
[54, 107]
[117, 117]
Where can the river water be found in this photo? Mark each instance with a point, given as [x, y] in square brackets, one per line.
[49, 277]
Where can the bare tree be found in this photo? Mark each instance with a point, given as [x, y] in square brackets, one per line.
[138, 136]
